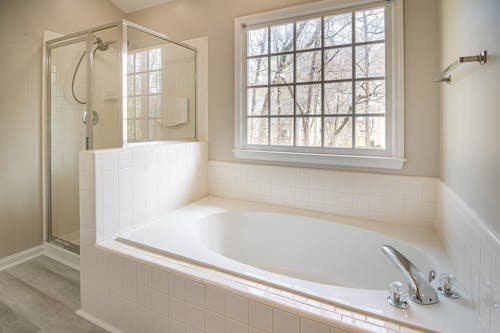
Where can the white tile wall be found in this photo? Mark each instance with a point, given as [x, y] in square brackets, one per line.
[126, 188]
[386, 198]
[474, 250]
[135, 186]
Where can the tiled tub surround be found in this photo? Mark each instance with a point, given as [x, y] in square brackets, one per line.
[385, 198]
[181, 297]
[474, 249]
[321, 256]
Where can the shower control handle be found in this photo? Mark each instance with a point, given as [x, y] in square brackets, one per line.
[95, 117]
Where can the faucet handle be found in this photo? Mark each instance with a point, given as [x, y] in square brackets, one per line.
[448, 285]
[398, 295]
[431, 276]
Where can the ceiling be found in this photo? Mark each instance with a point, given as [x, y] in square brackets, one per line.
[129, 6]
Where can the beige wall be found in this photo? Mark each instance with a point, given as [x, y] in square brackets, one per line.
[21, 26]
[215, 18]
[470, 124]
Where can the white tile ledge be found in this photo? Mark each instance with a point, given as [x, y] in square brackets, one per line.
[350, 320]
[377, 162]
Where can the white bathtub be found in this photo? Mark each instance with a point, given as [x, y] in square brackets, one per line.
[333, 258]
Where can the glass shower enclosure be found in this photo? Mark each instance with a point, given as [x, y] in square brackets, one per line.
[111, 86]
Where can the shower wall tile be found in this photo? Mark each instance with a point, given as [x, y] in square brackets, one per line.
[135, 186]
[385, 198]
[474, 250]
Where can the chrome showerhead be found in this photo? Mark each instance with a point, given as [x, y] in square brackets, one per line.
[101, 46]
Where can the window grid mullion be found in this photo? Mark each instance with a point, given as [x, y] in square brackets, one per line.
[269, 86]
[294, 84]
[322, 82]
[353, 75]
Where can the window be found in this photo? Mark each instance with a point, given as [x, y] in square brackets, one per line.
[318, 87]
[144, 94]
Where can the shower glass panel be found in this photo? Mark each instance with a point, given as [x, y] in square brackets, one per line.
[108, 87]
[161, 89]
[67, 133]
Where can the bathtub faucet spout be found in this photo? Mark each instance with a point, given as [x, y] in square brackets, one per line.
[421, 292]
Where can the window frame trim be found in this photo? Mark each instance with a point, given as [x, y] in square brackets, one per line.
[392, 157]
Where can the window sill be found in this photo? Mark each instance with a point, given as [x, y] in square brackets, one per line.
[378, 162]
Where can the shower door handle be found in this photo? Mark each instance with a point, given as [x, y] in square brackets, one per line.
[95, 118]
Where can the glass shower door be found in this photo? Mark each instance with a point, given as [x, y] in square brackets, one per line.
[68, 96]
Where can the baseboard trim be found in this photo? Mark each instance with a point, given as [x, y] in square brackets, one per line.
[20, 257]
[96, 321]
[62, 255]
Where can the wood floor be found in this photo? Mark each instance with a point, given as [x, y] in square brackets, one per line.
[41, 295]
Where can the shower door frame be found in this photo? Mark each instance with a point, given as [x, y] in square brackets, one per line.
[89, 37]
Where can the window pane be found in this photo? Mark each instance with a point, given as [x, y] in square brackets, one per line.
[257, 103]
[370, 25]
[308, 34]
[154, 59]
[338, 29]
[370, 96]
[282, 38]
[131, 107]
[131, 130]
[338, 132]
[141, 84]
[257, 131]
[370, 132]
[155, 106]
[141, 61]
[257, 73]
[155, 82]
[257, 42]
[308, 131]
[309, 66]
[282, 131]
[308, 99]
[282, 69]
[131, 85]
[282, 100]
[370, 60]
[141, 104]
[142, 130]
[338, 64]
[130, 63]
[338, 98]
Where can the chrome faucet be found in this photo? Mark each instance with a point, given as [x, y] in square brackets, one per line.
[421, 292]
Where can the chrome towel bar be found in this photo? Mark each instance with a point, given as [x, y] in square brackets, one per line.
[445, 75]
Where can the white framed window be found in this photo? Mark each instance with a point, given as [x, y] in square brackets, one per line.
[144, 85]
[321, 83]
